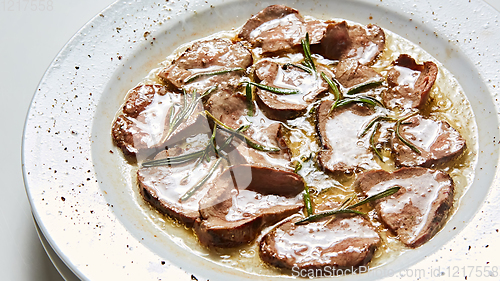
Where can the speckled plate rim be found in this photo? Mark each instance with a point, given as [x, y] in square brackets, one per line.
[89, 229]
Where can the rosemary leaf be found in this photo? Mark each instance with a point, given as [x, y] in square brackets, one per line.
[307, 201]
[306, 46]
[281, 91]
[360, 99]
[327, 214]
[305, 68]
[388, 192]
[373, 121]
[173, 160]
[332, 85]
[249, 96]
[248, 140]
[373, 144]
[298, 167]
[218, 72]
[365, 85]
[197, 186]
[405, 141]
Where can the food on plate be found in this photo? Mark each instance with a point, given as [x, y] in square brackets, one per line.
[311, 142]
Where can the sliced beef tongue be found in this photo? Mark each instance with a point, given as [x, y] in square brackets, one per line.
[206, 57]
[163, 186]
[350, 73]
[339, 130]
[409, 83]
[419, 209]
[344, 41]
[280, 106]
[345, 242]
[243, 200]
[145, 123]
[279, 28]
[437, 142]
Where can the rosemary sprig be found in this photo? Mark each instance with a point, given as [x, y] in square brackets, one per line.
[281, 91]
[195, 188]
[388, 192]
[306, 69]
[349, 209]
[307, 201]
[173, 160]
[248, 140]
[212, 73]
[360, 99]
[405, 141]
[362, 86]
[374, 121]
[373, 144]
[249, 96]
[306, 46]
[185, 111]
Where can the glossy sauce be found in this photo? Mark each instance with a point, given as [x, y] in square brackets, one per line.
[448, 103]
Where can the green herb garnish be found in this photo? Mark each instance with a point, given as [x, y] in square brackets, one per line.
[405, 141]
[281, 91]
[359, 99]
[374, 145]
[306, 69]
[349, 209]
[249, 96]
[212, 73]
[306, 46]
[307, 201]
[362, 86]
[248, 140]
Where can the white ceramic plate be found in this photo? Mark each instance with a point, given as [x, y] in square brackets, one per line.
[77, 181]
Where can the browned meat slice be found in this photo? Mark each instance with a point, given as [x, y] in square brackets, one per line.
[245, 199]
[409, 83]
[342, 41]
[350, 73]
[347, 241]
[279, 106]
[205, 57]
[437, 142]
[163, 186]
[276, 28]
[144, 125]
[344, 151]
[419, 209]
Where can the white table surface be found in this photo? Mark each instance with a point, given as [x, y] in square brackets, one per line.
[29, 40]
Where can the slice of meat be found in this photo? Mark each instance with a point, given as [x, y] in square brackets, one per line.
[279, 106]
[344, 151]
[208, 56]
[437, 142]
[350, 73]
[144, 125]
[243, 200]
[409, 83]
[276, 28]
[346, 242]
[343, 41]
[419, 209]
[163, 186]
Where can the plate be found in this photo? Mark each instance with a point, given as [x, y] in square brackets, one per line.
[87, 205]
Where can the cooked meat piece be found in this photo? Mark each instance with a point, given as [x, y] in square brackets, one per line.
[163, 186]
[278, 106]
[342, 41]
[276, 28]
[344, 151]
[229, 107]
[347, 241]
[245, 199]
[437, 141]
[419, 209]
[144, 125]
[208, 56]
[409, 83]
[350, 73]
